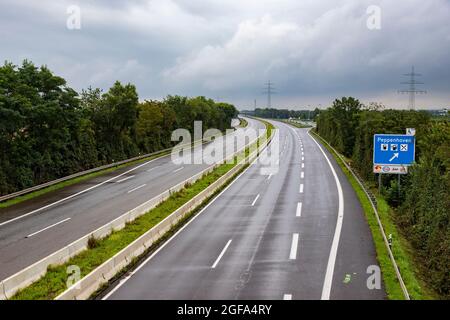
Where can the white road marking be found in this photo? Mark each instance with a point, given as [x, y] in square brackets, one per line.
[270, 176]
[303, 165]
[293, 254]
[303, 158]
[221, 254]
[46, 228]
[178, 169]
[141, 186]
[302, 175]
[287, 297]
[326, 290]
[299, 210]
[301, 188]
[124, 179]
[256, 199]
[121, 283]
[76, 194]
[151, 169]
[303, 153]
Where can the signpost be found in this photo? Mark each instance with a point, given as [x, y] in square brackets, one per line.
[393, 153]
[393, 149]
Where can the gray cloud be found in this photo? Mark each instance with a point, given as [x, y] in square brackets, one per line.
[313, 50]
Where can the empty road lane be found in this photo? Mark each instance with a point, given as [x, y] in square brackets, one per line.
[289, 235]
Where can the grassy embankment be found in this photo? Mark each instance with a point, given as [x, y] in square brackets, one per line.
[401, 249]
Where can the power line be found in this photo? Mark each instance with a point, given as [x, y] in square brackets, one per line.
[269, 90]
[412, 91]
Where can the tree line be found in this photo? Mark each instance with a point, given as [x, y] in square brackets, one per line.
[48, 130]
[272, 113]
[422, 203]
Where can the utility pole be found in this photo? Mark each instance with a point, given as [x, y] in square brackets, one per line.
[269, 90]
[412, 91]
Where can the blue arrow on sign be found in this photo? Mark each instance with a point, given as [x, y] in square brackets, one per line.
[394, 149]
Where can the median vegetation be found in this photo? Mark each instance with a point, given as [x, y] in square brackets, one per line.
[417, 213]
[54, 281]
[48, 130]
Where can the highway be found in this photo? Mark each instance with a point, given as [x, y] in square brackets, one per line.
[298, 234]
[31, 230]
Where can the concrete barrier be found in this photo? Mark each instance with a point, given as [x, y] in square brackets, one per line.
[32, 273]
[84, 288]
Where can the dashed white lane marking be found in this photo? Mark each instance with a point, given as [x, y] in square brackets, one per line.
[256, 199]
[141, 186]
[221, 254]
[303, 165]
[124, 179]
[46, 228]
[302, 175]
[287, 296]
[301, 188]
[298, 213]
[178, 169]
[151, 169]
[303, 153]
[293, 253]
[303, 158]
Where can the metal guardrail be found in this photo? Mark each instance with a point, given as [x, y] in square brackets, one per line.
[83, 173]
[25, 277]
[374, 204]
[86, 286]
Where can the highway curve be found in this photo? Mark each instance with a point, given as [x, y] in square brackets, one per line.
[268, 237]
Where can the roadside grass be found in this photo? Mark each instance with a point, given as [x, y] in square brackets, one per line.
[295, 124]
[73, 181]
[243, 123]
[401, 249]
[53, 282]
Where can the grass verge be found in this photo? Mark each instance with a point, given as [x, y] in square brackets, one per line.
[54, 281]
[243, 123]
[296, 124]
[400, 248]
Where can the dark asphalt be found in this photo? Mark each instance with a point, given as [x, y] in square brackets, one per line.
[258, 262]
[86, 212]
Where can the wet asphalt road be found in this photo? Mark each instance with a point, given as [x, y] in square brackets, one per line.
[26, 238]
[267, 237]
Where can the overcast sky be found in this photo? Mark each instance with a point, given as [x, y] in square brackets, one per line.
[314, 51]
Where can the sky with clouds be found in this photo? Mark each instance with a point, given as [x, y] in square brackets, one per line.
[314, 51]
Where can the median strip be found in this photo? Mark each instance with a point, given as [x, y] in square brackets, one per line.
[53, 283]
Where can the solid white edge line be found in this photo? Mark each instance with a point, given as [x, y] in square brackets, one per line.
[85, 190]
[294, 245]
[256, 199]
[121, 283]
[221, 255]
[143, 185]
[287, 296]
[298, 213]
[326, 290]
[46, 228]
